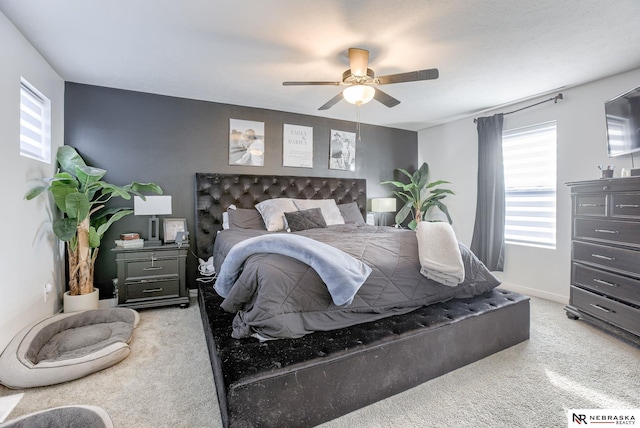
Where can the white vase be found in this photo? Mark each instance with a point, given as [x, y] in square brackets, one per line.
[80, 302]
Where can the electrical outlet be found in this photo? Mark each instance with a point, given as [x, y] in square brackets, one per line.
[47, 289]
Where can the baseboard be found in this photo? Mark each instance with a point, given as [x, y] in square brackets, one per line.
[533, 292]
[107, 303]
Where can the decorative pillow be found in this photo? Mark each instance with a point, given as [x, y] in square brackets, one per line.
[272, 212]
[240, 218]
[303, 220]
[351, 213]
[328, 207]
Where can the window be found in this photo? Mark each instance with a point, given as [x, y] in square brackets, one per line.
[530, 185]
[35, 123]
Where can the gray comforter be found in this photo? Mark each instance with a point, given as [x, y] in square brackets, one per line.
[276, 296]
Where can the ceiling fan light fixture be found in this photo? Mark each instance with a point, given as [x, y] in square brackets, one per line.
[358, 94]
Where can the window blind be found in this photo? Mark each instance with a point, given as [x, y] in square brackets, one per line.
[529, 156]
[35, 118]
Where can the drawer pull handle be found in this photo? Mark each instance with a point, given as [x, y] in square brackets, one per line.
[152, 290]
[600, 308]
[591, 205]
[598, 256]
[613, 232]
[627, 206]
[600, 281]
[152, 268]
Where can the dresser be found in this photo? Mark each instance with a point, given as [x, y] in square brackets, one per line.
[152, 276]
[605, 257]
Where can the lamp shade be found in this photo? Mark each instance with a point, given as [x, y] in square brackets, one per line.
[358, 94]
[152, 205]
[383, 205]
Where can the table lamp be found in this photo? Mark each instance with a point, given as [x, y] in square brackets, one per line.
[153, 206]
[383, 205]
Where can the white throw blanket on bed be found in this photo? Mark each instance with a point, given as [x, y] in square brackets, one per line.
[440, 257]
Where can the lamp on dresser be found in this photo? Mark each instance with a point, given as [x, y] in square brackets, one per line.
[382, 206]
[152, 206]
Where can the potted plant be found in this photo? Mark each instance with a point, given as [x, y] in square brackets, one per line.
[419, 195]
[80, 194]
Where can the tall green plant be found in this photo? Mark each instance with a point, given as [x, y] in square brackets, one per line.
[80, 194]
[419, 195]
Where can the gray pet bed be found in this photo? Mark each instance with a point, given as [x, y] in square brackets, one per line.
[63, 417]
[67, 346]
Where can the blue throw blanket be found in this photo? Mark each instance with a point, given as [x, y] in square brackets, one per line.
[343, 274]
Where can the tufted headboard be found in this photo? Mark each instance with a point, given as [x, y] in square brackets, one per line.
[215, 192]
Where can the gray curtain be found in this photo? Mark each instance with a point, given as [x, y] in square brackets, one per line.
[488, 232]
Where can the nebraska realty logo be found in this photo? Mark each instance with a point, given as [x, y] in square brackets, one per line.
[598, 417]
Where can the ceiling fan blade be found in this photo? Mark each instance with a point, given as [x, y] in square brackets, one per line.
[333, 101]
[311, 83]
[358, 61]
[411, 76]
[385, 99]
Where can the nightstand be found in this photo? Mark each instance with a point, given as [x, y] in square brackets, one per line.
[152, 276]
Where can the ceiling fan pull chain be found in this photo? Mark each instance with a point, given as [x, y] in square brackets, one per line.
[358, 121]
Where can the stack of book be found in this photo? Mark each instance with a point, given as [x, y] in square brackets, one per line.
[130, 240]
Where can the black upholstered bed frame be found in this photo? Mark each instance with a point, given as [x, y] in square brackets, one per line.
[306, 381]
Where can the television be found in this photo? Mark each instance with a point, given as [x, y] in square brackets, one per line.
[623, 123]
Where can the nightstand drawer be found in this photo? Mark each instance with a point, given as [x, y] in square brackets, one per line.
[613, 231]
[626, 317]
[626, 205]
[147, 289]
[617, 286]
[617, 259]
[152, 267]
[591, 205]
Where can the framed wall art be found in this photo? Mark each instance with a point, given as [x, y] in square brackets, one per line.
[246, 142]
[342, 150]
[297, 146]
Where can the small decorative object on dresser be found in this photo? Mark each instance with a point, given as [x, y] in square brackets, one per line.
[152, 276]
[605, 265]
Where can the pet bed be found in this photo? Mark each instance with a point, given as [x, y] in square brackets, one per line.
[63, 417]
[67, 346]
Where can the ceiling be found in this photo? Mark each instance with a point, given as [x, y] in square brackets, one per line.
[489, 52]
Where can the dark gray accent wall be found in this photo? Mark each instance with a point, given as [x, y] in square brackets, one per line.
[153, 138]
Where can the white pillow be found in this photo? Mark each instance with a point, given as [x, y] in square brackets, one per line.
[329, 208]
[272, 212]
[225, 217]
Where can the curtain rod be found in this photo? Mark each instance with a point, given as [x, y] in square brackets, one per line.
[554, 99]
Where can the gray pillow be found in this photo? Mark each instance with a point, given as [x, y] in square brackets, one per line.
[306, 219]
[245, 219]
[351, 213]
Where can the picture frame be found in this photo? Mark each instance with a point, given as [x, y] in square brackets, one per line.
[342, 150]
[171, 227]
[246, 142]
[297, 146]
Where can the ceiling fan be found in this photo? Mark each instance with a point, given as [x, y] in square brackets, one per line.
[359, 78]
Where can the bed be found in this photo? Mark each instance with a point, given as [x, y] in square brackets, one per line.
[323, 367]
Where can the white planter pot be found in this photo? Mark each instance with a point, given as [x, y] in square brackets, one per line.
[81, 302]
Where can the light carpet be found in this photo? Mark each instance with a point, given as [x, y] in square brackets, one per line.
[167, 380]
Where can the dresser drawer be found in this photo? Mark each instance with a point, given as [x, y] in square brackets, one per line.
[625, 205]
[616, 286]
[149, 288]
[152, 267]
[614, 231]
[591, 205]
[626, 317]
[618, 259]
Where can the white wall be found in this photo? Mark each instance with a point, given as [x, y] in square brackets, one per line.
[29, 256]
[451, 151]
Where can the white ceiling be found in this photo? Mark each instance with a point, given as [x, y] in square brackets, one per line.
[489, 52]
